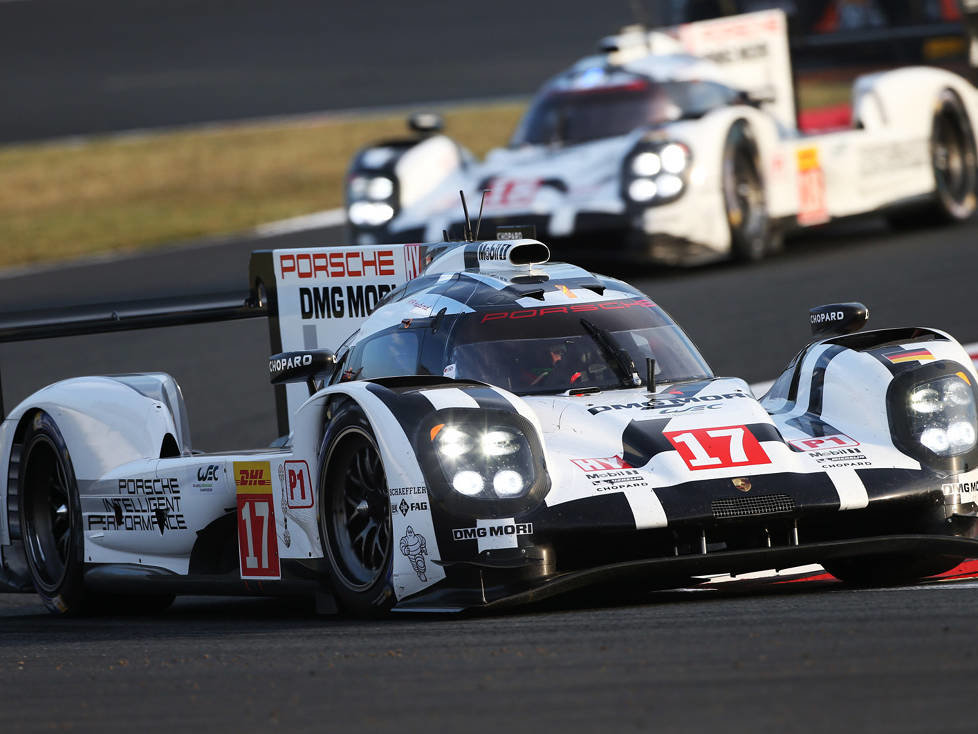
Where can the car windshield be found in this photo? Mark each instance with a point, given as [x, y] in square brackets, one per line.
[564, 348]
[569, 116]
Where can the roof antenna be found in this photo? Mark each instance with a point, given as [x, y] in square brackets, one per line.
[444, 233]
[478, 224]
[467, 234]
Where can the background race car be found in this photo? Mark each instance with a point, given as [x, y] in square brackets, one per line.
[493, 429]
[681, 146]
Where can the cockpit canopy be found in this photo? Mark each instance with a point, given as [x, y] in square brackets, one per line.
[595, 104]
[573, 346]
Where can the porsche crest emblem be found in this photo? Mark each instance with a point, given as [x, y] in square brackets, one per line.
[741, 483]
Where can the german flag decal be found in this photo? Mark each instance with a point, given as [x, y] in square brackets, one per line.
[910, 355]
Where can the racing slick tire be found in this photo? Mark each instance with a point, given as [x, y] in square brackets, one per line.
[51, 519]
[753, 236]
[888, 570]
[51, 526]
[955, 165]
[354, 513]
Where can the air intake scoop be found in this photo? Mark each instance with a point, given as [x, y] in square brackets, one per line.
[503, 255]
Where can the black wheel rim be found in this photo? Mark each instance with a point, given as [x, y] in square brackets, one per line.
[952, 166]
[359, 511]
[48, 530]
[744, 198]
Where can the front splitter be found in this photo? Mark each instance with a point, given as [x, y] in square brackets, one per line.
[673, 571]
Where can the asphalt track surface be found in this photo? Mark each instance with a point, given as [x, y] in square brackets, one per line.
[80, 68]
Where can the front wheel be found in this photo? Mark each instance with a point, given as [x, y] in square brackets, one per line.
[752, 234]
[354, 513]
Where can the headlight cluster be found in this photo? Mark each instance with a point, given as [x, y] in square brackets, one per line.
[656, 175]
[492, 462]
[943, 416]
[371, 198]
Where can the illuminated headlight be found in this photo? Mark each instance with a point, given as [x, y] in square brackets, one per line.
[500, 443]
[925, 399]
[642, 189]
[370, 213]
[646, 164]
[452, 443]
[469, 483]
[669, 185]
[674, 158]
[379, 188]
[508, 483]
[485, 461]
[943, 417]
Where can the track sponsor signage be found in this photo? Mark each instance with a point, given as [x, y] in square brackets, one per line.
[325, 293]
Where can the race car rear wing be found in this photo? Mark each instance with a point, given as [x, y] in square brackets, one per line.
[751, 50]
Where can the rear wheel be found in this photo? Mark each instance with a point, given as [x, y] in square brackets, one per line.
[355, 515]
[51, 525]
[887, 569]
[953, 155]
[955, 166]
[50, 518]
[752, 234]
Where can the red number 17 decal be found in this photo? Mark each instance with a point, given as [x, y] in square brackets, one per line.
[718, 448]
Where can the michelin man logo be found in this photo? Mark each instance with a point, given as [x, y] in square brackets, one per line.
[415, 547]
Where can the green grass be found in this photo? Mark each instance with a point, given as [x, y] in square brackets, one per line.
[59, 201]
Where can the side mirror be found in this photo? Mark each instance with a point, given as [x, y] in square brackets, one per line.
[426, 123]
[836, 319]
[299, 366]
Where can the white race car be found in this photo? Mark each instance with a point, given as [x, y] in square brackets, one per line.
[493, 428]
[681, 146]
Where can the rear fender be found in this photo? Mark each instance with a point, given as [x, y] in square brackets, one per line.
[105, 422]
[880, 101]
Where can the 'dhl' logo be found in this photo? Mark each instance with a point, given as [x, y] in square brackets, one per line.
[253, 478]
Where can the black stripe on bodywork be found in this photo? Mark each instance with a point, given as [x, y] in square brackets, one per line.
[693, 500]
[489, 399]
[408, 408]
[607, 512]
[888, 484]
[642, 439]
[816, 391]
